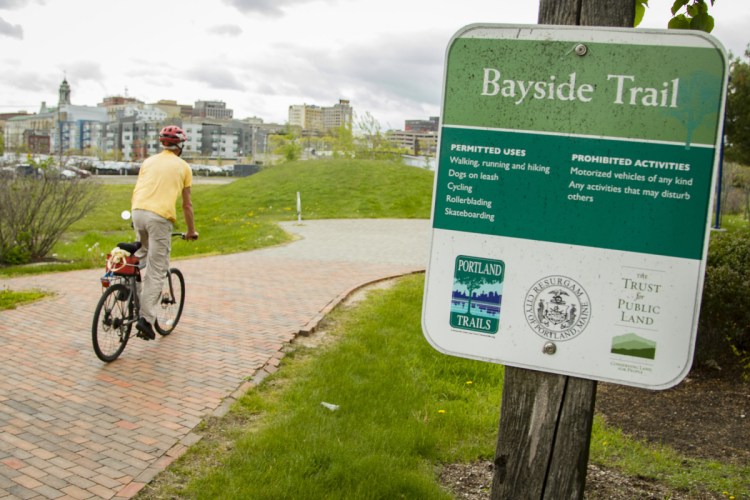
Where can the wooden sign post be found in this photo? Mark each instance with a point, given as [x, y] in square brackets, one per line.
[542, 413]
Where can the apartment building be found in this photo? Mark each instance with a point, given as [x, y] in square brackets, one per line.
[77, 128]
[306, 117]
[316, 119]
[337, 115]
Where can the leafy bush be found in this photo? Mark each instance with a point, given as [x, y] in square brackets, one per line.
[724, 324]
[35, 210]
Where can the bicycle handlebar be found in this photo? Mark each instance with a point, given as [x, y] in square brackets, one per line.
[183, 236]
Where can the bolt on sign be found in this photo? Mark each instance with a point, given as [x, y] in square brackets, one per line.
[572, 199]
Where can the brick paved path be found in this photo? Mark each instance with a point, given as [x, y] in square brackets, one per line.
[74, 427]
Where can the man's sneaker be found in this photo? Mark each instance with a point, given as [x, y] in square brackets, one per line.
[145, 329]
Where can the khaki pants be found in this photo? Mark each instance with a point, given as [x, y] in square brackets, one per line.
[155, 234]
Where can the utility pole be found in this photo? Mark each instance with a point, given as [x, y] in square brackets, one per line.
[546, 419]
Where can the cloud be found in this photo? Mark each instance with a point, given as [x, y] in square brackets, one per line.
[389, 69]
[84, 70]
[18, 4]
[273, 8]
[215, 76]
[12, 4]
[225, 30]
[28, 81]
[11, 30]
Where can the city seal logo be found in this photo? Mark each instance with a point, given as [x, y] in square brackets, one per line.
[557, 308]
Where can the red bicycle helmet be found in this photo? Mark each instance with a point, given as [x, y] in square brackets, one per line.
[172, 135]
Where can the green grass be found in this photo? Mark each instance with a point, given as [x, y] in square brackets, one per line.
[242, 216]
[732, 222]
[10, 299]
[610, 447]
[404, 409]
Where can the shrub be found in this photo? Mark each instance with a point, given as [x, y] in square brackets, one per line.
[35, 210]
[724, 324]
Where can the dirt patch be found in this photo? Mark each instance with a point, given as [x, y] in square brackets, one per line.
[706, 416]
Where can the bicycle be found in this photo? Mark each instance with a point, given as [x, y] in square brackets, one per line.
[119, 306]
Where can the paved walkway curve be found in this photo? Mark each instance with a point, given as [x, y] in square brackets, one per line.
[74, 427]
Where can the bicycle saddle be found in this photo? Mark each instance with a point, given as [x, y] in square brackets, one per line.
[130, 247]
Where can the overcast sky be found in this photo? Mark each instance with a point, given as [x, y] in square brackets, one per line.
[260, 56]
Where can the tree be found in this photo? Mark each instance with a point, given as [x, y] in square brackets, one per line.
[36, 209]
[695, 16]
[370, 141]
[342, 142]
[737, 120]
[287, 145]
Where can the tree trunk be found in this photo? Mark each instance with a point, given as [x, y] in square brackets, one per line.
[546, 419]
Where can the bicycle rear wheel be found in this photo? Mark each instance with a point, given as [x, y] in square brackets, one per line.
[110, 330]
[169, 308]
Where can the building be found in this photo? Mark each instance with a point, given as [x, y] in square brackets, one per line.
[212, 109]
[316, 119]
[306, 117]
[140, 138]
[174, 110]
[37, 143]
[4, 117]
[77, 128]
[146, 113]
[416, 143]
[430, 125]
[224, 139]
[116, 104]
[124, 128]
[337, 115]
[24, 132]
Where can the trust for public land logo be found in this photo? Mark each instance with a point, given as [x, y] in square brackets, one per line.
[557, 308]
[477, 294]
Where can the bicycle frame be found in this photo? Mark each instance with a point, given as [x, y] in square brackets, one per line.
[115, 314]
[131, 282]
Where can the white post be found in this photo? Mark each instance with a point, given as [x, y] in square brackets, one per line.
[299, 209]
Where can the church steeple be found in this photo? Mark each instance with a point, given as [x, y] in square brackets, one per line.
[64, 95]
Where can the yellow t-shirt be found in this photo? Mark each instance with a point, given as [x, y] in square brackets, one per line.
[161, 180]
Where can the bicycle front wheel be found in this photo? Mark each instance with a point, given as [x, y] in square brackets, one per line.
[111, 328]
[169, 308]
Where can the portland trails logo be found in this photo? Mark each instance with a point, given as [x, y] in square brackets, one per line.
[477, 294]
[557, 308]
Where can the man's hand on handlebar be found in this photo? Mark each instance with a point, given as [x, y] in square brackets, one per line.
[191, 235]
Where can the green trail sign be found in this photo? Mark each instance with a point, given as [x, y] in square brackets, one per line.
[580, 162]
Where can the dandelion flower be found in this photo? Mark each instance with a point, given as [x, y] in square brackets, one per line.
[469, 382]
[441, 411]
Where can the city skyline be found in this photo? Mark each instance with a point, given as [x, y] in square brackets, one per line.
[260, 57]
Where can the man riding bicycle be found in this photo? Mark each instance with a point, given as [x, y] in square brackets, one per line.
[162, 178]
